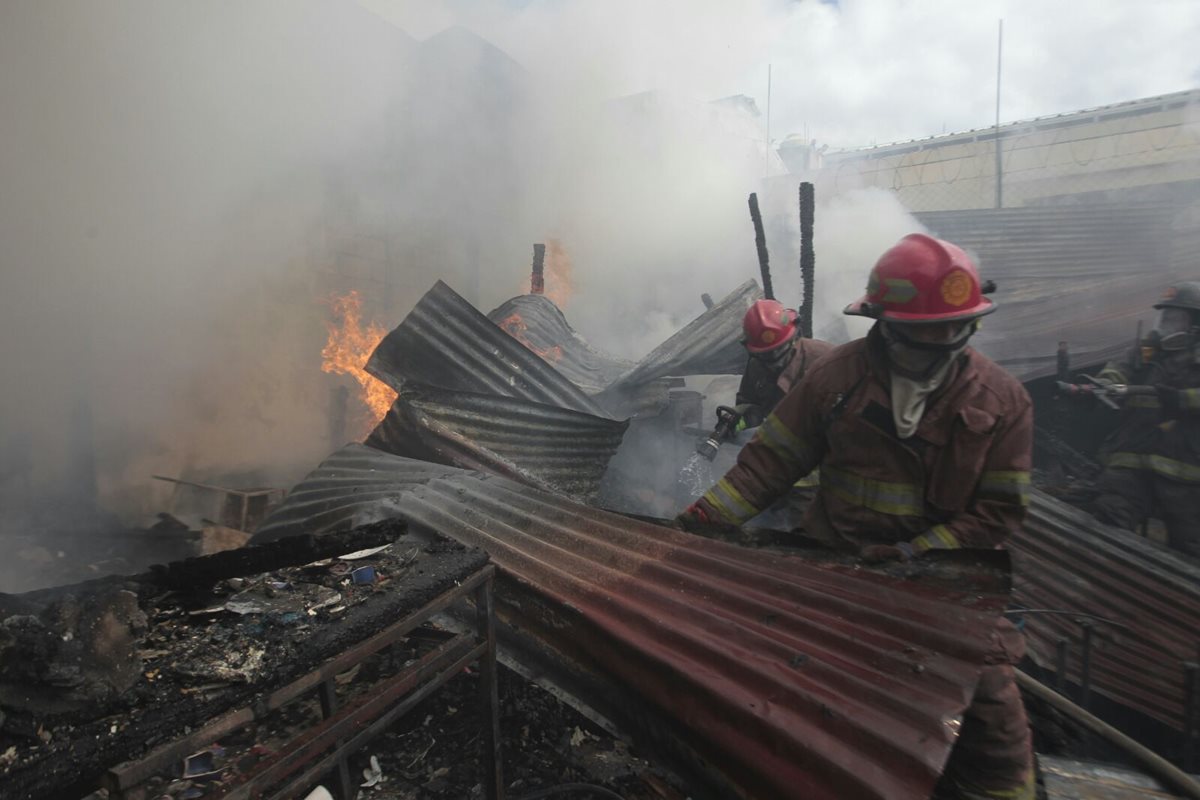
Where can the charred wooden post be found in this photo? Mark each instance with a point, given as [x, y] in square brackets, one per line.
[537, 280]
[292, 551]
[706, 298]
[807, 257]
[760, 243]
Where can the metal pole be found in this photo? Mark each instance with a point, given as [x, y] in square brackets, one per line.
[1085, 666]
[999, 165]
[1060, 664]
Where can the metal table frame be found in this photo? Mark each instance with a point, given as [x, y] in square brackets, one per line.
[301, 763]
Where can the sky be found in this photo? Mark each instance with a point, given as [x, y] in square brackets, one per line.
[850, 73]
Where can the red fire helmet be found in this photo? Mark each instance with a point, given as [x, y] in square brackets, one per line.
[768, 325]
[923, 279]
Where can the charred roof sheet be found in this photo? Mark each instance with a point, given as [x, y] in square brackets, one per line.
[1064, 559]
[1080, 274]
[708, 345]
[446, 342]
[539, 324]
[798, 679]
[551, 448]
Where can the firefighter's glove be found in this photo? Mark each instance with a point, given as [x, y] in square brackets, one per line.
[881, 553]
[1168, 398]
[692, 517]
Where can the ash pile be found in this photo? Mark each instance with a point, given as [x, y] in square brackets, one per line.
[98, 674]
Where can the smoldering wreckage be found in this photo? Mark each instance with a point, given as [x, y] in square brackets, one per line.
[512, 506]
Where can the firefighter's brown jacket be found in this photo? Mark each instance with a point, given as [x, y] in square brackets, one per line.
[961, 480]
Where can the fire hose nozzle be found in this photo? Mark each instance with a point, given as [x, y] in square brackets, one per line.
[708, 448]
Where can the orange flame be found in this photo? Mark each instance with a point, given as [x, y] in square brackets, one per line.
[514, 325]
[347, 349]
[559, 286]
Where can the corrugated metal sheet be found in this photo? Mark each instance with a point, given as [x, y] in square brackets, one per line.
[1080, 274]
[1065, 560]
[446, 342]
[797, 679]
[535, 321]
[550, 448]
[708, 345]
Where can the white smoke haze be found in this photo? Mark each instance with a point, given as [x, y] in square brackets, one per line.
[183, 182]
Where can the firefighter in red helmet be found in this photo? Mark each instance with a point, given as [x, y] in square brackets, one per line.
[778, 359]
[922, 444]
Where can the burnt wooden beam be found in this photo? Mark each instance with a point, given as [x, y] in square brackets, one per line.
[293, 551]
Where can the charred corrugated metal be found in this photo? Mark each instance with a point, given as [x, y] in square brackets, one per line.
[795, 678]
[446, 342]
[1080, 274]
[1064, 560]
[550, 448]
[539, 324]
[708, 345]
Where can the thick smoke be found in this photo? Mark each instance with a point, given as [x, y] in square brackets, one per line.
[185, 182]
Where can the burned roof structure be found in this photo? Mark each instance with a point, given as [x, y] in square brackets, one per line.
[708, 345]
[551, 448]
[791, 677]
[539, 324]
[1140, 600]
[470, 395]
[446, 342]
[1080, 274]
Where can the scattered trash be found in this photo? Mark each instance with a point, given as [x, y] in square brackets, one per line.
[279, 597]
[357, 554]
[203, 764]
[373, 775]
[8, 757]
[363, 575]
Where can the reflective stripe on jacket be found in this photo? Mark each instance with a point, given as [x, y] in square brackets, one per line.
[961, 480]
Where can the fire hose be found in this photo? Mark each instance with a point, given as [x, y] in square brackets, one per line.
[1158, 766]
[1106, 393]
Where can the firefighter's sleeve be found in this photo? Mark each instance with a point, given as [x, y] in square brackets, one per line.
[788, 445]
[1119, 371]
[997, 506]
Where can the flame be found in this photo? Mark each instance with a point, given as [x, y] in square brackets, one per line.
[514, 325]
[347, 349]
[559, 287]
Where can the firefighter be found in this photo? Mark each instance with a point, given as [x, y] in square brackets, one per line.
[778, 359]
[923, 444]
[1152, 459]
